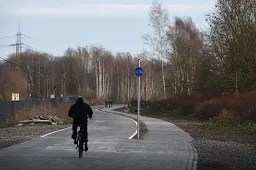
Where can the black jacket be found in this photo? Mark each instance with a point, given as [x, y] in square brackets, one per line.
[80, 111]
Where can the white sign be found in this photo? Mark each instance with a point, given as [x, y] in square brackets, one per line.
[15, 96]
[52, 96]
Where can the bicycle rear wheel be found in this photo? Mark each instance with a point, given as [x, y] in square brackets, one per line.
[80, 146]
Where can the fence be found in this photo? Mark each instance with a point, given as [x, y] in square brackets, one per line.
[8, 109]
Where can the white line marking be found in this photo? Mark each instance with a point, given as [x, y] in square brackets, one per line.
[135, 133]
[55, 132]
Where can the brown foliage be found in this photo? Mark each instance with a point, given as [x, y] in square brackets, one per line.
[13, 81]
[240, 107]
[60, 110]
[231, 106]
[186, 104]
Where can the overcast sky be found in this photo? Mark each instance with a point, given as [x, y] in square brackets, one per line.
[54, 25]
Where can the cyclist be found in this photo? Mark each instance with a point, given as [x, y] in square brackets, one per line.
[80, 111]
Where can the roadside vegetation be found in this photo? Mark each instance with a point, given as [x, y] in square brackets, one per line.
[230, 113]
[7, 123]
[57, 114]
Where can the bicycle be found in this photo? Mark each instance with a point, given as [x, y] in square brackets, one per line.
[80, 142]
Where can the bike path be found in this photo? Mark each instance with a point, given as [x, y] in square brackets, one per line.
[109, 147]
[167, 138]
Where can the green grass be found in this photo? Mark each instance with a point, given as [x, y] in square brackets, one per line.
[7, 123]
[67, 120]
[228, 125]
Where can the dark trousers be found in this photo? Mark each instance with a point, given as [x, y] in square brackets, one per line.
[83, 128]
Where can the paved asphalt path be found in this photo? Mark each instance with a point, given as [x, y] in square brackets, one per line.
[109, 148]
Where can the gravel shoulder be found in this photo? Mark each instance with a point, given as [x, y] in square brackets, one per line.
[220, 150]
[17, 134]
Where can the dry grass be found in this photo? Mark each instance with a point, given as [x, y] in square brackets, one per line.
[59, 110]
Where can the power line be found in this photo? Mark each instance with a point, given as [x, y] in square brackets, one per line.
[42, 43]
[24, 67]
[6, 46]
[31, 48]
[19, 45]
[39, 41]
[8, 61]
[7, 37]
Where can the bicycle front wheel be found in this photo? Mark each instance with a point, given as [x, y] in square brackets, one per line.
[80, 147]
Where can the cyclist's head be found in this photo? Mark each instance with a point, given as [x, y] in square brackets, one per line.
[79, 99]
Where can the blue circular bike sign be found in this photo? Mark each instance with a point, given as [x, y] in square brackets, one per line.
[138, 71]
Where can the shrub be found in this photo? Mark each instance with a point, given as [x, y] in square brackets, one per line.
[206, 110]
[234, 107]
[184, 105]
[7, 123]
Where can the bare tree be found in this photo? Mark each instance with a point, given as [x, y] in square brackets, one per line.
[185, 55]
[159, 21]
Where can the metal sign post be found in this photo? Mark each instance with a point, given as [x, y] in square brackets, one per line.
[138, 116]
[138, 72]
